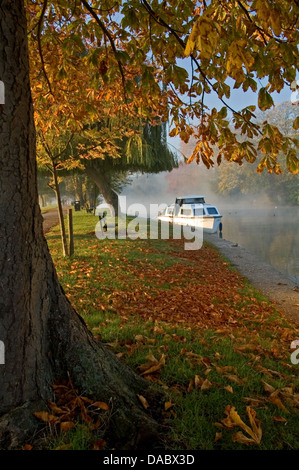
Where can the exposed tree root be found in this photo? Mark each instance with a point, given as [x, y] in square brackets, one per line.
[98, 374]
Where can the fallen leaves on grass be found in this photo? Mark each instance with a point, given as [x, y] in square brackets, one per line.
[195, 290]
[154, 365]
[184, 287]
[280, 396]
[236, 379]
[184, 301]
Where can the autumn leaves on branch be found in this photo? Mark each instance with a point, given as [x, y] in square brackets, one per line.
[147, 59]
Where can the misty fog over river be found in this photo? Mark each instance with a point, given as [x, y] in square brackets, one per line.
[272, 233]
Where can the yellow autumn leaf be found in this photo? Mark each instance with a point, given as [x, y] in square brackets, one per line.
[296, 123]
[198, 381]
[158, 330]
[262, 9]
[189, 47]
[233, 419]
[277, 402]
[268, 387]
[236, 379]
[140, 338]
[66, 426]
[27, 447]
[203, 37]
[255, 424]
[206, 385]
[55, 409]
[154, 366]
[242, 439]
[275, 22]
[101, 404]
[173, 132]
[99, 444]
[143, 401]
[279, 419]
[168, 405]
[45, 416]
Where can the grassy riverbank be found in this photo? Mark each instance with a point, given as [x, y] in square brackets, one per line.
[188, 322]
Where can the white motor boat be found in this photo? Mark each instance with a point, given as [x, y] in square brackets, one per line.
[194, 212]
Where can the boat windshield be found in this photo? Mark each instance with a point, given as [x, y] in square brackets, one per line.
[212, 210]
[199, 211]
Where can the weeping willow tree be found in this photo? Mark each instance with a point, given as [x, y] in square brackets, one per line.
[140, 150]
[108, 151]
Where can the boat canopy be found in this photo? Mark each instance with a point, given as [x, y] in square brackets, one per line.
[190, 200]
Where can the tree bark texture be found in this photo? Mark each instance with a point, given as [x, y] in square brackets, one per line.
[45, 339]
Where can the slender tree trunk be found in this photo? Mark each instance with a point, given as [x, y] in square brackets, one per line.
[105, 189]
[70, 230]
[42, 200]
[44, 338]
[60, 211]
[79, 189]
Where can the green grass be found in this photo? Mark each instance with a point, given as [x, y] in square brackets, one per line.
[101, 268]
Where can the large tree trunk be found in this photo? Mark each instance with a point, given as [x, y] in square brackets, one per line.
[44, 338]
[104, 186]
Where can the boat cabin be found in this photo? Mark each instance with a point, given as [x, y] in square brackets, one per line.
[197, 210]
[191, 210]
[194, 212]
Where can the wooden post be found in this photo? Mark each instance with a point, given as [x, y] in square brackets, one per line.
[70, 230]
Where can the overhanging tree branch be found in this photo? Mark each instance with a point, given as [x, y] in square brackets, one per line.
[183, 45]
[109, 36]
[39, 30]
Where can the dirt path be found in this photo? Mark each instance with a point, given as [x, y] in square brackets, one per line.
[50, 219]
[271, 282]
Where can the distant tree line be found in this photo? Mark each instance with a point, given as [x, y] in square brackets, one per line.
[235, 180]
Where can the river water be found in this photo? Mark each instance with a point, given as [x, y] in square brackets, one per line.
[272, 233]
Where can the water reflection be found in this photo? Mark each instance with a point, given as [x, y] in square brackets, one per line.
[270, 233]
